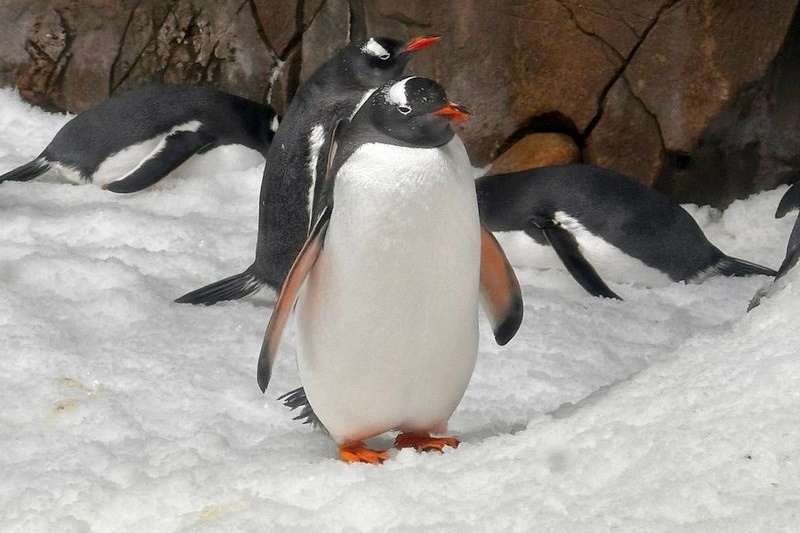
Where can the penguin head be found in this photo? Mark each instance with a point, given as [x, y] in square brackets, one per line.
[414, 111]
[379, 59]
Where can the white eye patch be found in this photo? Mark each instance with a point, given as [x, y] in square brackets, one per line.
[397, 93]
[373, 48]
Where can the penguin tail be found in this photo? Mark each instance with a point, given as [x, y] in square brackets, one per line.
[732, 266]
[296, 399]
[28, 171]
[231, 288]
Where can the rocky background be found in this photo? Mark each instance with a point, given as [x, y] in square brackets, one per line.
[699, 98]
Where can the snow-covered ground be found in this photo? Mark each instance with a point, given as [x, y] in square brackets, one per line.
[121, 411]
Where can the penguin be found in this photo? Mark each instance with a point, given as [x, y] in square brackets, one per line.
[134, 139]
[789, 202]
[595, 217]
[297, 156]
[387, 284]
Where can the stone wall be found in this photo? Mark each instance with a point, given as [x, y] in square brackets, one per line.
[696, 97]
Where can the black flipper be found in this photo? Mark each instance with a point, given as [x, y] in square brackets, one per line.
[792, 249]
[177, 148]
[296, 399]
[790, 200]
[27, 172]
[732, 266]
[565, 245]
[231, 288]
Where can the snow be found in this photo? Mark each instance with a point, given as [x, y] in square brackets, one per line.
[674, 410]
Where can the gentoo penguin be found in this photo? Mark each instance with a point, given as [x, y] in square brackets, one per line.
[597, 218]
[789, 202]
[297, 158]
[387, 284]
[134, 139]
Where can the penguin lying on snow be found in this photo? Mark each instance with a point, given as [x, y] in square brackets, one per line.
[134, 139]
[789, 202]
[594, 216]
[297, 158]
[387, 284]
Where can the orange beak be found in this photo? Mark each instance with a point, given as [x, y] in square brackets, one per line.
[453, 112]
[419, 43]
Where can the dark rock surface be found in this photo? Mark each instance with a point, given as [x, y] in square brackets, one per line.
[696, 97]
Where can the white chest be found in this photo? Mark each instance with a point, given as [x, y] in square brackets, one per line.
[388, 318]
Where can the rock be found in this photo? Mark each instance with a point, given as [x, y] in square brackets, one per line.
[70, 56]
[692, 62]
[752, 144]
[627, 138]
[537, 150]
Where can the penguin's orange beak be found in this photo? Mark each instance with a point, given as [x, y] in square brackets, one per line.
[453, 112]
[419, 43]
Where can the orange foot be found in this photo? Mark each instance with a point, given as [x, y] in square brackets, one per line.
[356, 452]
[423, 442]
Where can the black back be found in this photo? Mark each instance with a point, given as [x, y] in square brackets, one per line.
[330, 95]
[638, 220]
[143, 113]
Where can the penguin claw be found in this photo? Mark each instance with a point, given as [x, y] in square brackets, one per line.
[423, 442]
[356, 452]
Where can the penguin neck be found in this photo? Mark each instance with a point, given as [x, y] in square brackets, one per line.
[334, 77]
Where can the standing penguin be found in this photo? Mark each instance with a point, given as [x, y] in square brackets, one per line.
[595, 216]
[297, 158]
[134, 139]
[387, 284]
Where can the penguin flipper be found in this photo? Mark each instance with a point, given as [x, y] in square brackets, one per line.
[792, 250]
[566, 247]
[174, 150]
[500, 289]
[28, 171]
[288, 296]
[790, 200]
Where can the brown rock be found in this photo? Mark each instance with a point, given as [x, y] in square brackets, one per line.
[537, 150]
[699, 55]
[627, 138]
[72, 55]
[693, 61]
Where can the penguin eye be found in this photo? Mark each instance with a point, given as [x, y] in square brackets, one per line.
[404, 109]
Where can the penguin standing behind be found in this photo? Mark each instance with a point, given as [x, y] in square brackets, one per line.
[297, 158]
[595, 217]
[387, 285]
[136, 138]
[789, 202]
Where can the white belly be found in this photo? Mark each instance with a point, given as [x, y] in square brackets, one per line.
[610, 262]
[129, 159]
[387, 320]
